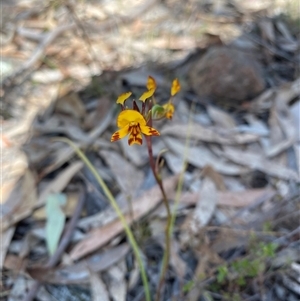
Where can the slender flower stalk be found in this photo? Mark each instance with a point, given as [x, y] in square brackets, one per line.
[133, 123]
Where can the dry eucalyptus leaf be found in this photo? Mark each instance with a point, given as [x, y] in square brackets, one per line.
[295, 112]
[79, 272]
[117, 285]
[98, 288]
[237, 199]
[59, 183]
[287, 126]
[55, 220]
[221, 118]
[206, 205]
[128, 177]
[100, 236]
[72, 199]
[228, 239]
[198, 132]
[259, 162]
[70, 104]
[208, 171]
[201, 156]
[6, 237]
[20, 201]
[267, 30]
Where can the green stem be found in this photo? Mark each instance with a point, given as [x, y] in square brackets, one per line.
[122, 218]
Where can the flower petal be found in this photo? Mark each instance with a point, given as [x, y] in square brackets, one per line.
[120, 134]
[135, 138]
[169, 110]
[147, 94]
[149, 131]
[151, 84]
[127, 116]
[121, 99]
[175, 87]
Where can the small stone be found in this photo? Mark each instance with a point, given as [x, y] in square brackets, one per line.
[226, 74]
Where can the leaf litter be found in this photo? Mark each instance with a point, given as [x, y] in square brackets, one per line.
[241, 182]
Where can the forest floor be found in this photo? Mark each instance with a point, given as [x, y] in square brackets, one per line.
[229, 158]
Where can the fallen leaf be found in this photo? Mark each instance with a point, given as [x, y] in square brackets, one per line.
[206, 205]
[128, 177]
[237, 199]
[117, 285]
[100, 236]
[14, 263]
[55, 220]
[98, 288]
[287, 125]
[68, 209]
[257, 161]
[70, 104]
[201, 156]
[208, 171]
[267, 30]
[80, 272]
[284, 93]
[227, 239]
[205, 134]
[20, 201]
[59, 183]
[295, 109]
[6, 237]
[221, 118]
[244, 198]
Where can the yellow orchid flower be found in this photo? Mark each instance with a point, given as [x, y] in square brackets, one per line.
[169, 110]
[147, 94]
[175, 87]
[151, 83]
[121, 99]
[133, 123]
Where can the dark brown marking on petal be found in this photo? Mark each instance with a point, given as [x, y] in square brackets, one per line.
[130, 140]
[154, 132]
[115, 137]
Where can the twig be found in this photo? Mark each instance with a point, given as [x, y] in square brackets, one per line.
[62, 245]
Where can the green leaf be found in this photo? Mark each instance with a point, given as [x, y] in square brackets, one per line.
[222, 273]
[55, 220]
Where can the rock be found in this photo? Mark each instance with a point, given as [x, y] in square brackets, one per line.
[226, 74]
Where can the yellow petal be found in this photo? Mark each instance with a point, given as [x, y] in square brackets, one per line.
[149, 131]
[120, 134]
[147, 94]
[175, 87]
[128, 116]
[151, 84]
[135, 138]
[169, 110]
[121, 99]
